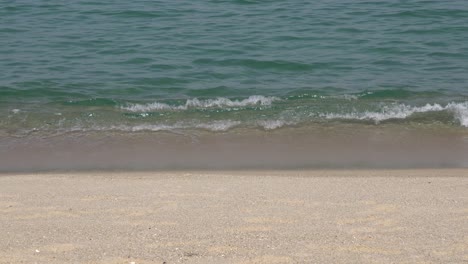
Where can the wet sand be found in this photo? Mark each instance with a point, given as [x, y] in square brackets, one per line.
[321, 216]
[310, 147]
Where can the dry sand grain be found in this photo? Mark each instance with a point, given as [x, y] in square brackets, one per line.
[362, 216]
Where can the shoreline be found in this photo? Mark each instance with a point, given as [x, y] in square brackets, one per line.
[262, 216]
[322, 147]
[287, 172]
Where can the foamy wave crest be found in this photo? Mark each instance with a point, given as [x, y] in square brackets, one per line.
[219, 125]
[273, 124]
[461, 112]
[222, 125]
[202, 104]
[402, 111]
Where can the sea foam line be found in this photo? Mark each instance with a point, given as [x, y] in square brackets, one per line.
[202, 104]
[217, 126]
[402, 111]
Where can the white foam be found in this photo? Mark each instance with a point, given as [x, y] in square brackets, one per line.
[221, 125]
[208, 103]
[460, 111]
[402, 111]
[273, 124]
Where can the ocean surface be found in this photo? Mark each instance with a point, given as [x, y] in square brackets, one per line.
[240, 66]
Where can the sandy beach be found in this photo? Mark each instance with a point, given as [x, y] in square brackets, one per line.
[329, 216]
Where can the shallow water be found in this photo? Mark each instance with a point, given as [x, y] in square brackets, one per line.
[152, 65]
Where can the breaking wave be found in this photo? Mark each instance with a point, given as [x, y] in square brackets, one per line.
[203, 104]
[402, 111]
[273, 124]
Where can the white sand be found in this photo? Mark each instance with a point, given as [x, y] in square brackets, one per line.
[362, 216]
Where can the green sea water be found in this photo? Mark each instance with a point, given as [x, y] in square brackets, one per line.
[219, 65]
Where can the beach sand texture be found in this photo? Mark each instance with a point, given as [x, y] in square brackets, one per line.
[361, 216]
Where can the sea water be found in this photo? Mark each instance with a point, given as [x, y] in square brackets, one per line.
[233, 66]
